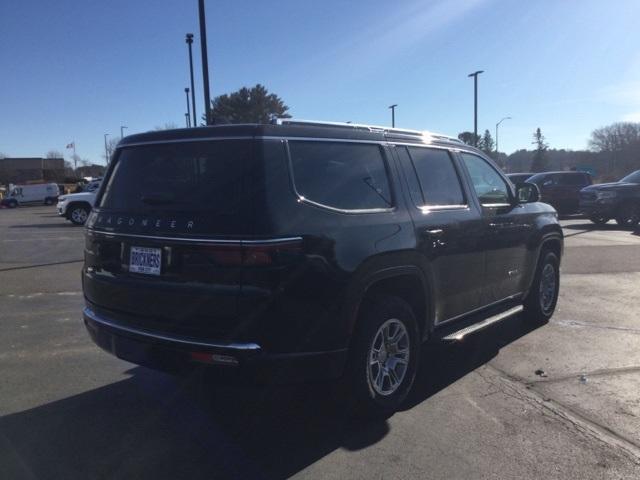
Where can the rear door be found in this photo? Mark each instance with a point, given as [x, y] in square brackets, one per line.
[448, 228]
[570, 185]
[506, 230]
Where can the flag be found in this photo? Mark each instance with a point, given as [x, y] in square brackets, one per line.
[71, 145]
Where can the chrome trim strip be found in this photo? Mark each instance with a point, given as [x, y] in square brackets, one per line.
[460, 334]
[267, 241]
[90, 314]
[475, 310]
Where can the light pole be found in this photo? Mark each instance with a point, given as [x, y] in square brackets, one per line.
[106, 151]
[393, 115]
[189, 41]
[475, 105]
[497, 125]
[122, 127]
[188, 114]
[205, 62]
[188, 120]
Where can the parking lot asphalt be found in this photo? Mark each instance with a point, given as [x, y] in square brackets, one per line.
[479, 410]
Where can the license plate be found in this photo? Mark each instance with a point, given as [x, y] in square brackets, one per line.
[145, 260]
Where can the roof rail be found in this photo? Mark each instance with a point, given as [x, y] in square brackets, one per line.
[368, 128]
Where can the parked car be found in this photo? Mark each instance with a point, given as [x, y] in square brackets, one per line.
[618, 200]
[519, 177]
[303, 250]
[561, 189]
[76, 207]
[39, 194]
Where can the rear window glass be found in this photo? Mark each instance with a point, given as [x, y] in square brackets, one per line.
[190, 177]
[348, 176]
[437, 176]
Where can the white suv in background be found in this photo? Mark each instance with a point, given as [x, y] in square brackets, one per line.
[76, 206]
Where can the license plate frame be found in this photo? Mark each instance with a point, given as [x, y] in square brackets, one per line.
[145, 260]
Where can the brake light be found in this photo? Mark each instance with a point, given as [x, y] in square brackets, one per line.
[252, 254]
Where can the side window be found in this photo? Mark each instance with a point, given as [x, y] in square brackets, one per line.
[575, 179]
[348, 176]
[438, 181]
[488, 184]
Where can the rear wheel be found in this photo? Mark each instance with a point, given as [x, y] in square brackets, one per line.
[78, 214]
[599, 219]
[384, 356]
[543, 296]
[48, 201]
[629, 215]
[12, 204]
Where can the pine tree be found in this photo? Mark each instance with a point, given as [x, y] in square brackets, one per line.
[540, 161]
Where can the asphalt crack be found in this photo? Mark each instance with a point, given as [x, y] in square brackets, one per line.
[587, 427]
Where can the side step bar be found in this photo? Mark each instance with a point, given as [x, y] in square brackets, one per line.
[475, 327]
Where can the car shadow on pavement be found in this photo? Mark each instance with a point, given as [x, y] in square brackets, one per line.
[153, 425]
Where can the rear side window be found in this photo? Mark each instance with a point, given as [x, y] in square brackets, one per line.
[437, 177]
[346, 176]
[574, 179]
[180, 177]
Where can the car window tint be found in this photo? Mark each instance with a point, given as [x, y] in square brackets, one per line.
[573, 179]
[348, 176]
[437, 176]
[488, 184]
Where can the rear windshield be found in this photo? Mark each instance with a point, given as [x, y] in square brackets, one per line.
[179, 177]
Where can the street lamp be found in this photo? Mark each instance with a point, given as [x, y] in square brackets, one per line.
[106, 150]
[497, 125]
[393, 115]
[475, 105]
[122, 127]
[205, 62]
[189, 41]
[188, 114]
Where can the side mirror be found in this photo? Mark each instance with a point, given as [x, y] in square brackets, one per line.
[527, 192]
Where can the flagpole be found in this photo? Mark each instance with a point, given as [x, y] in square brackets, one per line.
[75, 159]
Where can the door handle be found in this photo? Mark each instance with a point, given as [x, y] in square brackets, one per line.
[434, 232]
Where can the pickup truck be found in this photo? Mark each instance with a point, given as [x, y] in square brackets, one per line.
[618, 200]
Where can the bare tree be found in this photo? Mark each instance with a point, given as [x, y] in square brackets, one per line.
[54, 154]
[2, 155]
[616, 137]
[166, 126]
[112, 143]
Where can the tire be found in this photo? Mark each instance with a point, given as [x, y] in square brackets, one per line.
[12, 204]
[78, 214]
[380, 382]
[599, 219]
[48, 201]
[629, 215]
[543, 296]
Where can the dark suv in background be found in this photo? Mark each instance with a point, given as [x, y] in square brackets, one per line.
[619, 200]
[561, 189]
[304, 250]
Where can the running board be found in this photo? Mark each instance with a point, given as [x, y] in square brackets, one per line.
[475, 327]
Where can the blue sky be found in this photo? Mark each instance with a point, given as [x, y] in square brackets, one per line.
[74, 70]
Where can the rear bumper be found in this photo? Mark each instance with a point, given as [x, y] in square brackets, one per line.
[245, 361]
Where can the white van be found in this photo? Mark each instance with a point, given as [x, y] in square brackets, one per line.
[45, 193]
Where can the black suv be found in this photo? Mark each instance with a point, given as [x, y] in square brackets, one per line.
[619, 200]
[561, 190]
[303, 250]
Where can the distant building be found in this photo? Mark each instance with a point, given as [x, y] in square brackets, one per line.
[31, 170]
[92, 170]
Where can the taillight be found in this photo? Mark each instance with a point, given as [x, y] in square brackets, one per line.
[251, 254]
